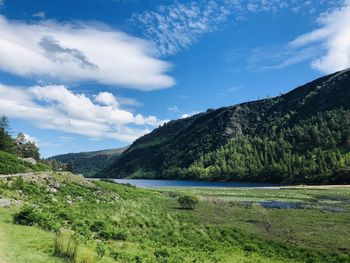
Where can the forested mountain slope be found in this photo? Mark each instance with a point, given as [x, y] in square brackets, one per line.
[88, 163]
[302, 136]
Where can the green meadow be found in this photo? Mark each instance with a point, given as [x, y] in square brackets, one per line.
[61, 217]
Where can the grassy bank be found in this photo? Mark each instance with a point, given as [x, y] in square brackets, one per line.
[124, 224]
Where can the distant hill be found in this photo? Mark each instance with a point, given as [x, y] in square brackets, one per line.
[301, 137]
[89, 163]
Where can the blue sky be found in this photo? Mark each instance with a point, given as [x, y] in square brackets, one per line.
[94, 74]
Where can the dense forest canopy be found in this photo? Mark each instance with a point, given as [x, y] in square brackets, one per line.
[300, 137]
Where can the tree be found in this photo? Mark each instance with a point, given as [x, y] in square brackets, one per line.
[7, 144]
[26, 148]
[70, 167]
[188, 201]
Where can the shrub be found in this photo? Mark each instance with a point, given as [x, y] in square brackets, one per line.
[188, 201]
[101, 250]
[162, 253]
[28, 215]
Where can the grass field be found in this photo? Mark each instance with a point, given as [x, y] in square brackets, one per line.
[141, 225]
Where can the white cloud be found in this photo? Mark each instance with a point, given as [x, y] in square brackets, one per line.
[58, 108]
[187, 115]
[80, 52]
[107, 98]
[333, 37]
[175, 27]
[129, 102]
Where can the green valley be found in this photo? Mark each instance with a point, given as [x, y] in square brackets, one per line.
[62, 217]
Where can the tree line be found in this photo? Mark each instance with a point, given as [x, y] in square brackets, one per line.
[314, 150]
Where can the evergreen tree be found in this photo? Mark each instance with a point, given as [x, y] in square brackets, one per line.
[6, 142]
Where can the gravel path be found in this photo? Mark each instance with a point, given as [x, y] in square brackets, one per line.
[14, 175]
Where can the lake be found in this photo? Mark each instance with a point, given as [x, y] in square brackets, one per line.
[148, 183]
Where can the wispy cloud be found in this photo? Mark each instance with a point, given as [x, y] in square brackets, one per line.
[174, 109]
[328, 47]
[68, 52]
[278, 57]
[65, 138]
[40, 14]
[175, 27]
[333, 37]
[58, 108]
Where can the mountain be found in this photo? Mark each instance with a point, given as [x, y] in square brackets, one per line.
[300, 137]
[89, 163]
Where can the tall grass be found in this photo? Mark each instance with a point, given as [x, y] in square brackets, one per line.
[65, 246]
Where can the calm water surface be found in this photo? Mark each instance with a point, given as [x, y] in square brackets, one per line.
[177, 183]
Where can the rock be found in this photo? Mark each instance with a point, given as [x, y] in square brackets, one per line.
[80, 198]
[18, 202]
[69, 202]
[98, 192]
[56, 185]
[29, 160]
[68, 197]
[98, 201]
[54, 200]
[53, 190]
[6, 202]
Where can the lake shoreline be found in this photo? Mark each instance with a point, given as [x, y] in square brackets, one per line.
[155, 183]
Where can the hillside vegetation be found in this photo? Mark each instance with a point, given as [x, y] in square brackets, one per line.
[11, 164]
[63, 216]
[89, 163]
[300, 137]
[14, 152]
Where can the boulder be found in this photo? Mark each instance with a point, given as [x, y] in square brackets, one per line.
[29, 160]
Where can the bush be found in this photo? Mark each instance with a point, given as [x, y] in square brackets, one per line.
[101, 250]
[188, 201]
[26, 216]
[30, 215]
[162, 253]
